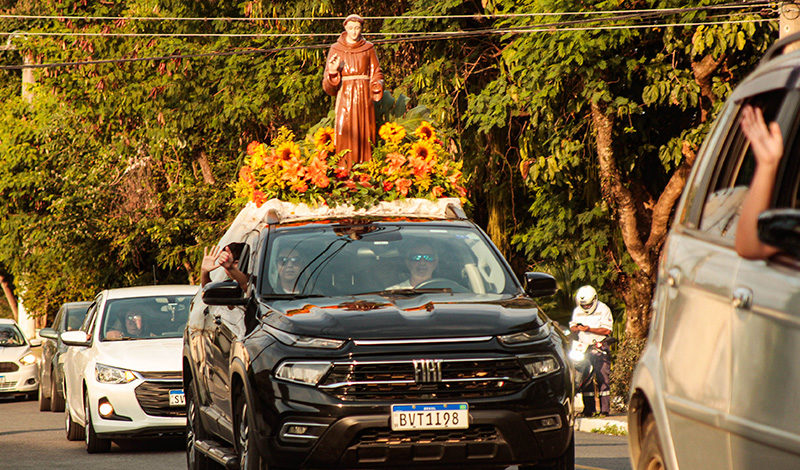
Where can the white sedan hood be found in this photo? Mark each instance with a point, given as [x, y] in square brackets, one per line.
[146, 355]
[12, 353]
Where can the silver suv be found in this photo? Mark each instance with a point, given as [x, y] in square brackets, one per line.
[718, 384]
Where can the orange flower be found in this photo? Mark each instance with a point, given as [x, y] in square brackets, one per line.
[387, 186]
[454, 177]
[252, 146]
[342, 172]
[293, 170]
[350, 184]
[259, 198]
[421, 159]
[300, 186]
[391, 132]
[425, 131]
[317, 172]
[437, 191]
[287, 150]
[246, 175]
[394, 161]
[403, 185]
[324, 139]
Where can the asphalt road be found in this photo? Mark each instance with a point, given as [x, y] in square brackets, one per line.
[34, 440]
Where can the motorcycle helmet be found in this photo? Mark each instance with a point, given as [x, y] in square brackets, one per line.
[586, 299]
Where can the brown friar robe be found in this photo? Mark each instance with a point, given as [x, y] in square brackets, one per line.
[352, 86]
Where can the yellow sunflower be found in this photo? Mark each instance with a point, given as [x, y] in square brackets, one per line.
[392, 132]
[287, 151]
[423, 150]
[425, 131]
[324, 139]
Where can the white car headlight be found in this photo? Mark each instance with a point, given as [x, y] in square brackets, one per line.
[27, 359]
[303, 372]
[113, 375]
[524, 337]
[304, 341]
[537, 366]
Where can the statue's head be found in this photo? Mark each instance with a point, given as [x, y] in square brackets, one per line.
[352, 26]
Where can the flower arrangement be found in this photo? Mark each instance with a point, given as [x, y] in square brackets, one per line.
[307, 171]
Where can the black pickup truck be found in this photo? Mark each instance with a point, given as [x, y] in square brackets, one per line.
[376, 342]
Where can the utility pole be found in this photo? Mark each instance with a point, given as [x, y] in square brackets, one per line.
[789, 23]
[28, 79]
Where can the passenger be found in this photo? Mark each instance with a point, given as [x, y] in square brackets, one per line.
[767, 146]
[228, 259]
[290, 265]
[421, 262]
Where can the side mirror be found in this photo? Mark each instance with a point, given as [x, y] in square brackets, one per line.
[48, 333]
[223, 293]
[540, 284]
[781, 228]
[75, 338]
[35, 342]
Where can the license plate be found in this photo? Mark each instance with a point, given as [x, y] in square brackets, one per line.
[177, 398]
[430, 416]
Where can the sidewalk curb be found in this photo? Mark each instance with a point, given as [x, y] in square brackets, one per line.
[592, 424]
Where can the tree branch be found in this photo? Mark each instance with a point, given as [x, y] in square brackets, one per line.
[671, 193]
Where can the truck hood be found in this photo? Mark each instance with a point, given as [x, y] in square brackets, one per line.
[423, 316]
[144, 355]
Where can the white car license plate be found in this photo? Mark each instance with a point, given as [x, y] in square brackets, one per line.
[177, 398]
[430, 416]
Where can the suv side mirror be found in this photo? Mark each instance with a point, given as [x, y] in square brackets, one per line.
[48, 333]
[35, 342]
[781, 228]
[223, 293]
[75, 338]
[540, 284]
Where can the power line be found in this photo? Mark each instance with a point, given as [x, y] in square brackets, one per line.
[733, 5]
[428, 37]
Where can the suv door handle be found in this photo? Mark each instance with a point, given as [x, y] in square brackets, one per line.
[742, 298]
[673, 277]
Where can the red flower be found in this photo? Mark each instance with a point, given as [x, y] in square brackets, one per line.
[437, 191]
[259, 198]
[387, 186]
[403, 185]
[350, 184]
[342, 172]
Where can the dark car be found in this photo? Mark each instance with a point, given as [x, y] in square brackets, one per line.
[51, 378]
[335, 358]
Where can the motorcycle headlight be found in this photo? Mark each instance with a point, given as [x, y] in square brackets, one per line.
[290, 339]
[576, 355]
[525, 337]
[113, 375]
[309, 373]
[540, 365]
[27, 359]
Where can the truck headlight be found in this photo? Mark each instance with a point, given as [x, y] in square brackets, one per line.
[525, 337]
[540, 365]
[113, 375]
[27, 359]
[290, 339]
[309, 373]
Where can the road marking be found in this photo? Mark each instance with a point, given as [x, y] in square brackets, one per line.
[589, 468]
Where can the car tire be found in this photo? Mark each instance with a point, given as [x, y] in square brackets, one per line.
[565, 462]
[56, 398]
[195, 460]
[73, 429]
[249, 456]
[94, 444]
[44, 402]
[651, 457]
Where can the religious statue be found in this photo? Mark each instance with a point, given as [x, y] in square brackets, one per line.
[353, 75]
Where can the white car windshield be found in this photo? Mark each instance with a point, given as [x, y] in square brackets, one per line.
[145, 317]
[383, 258]
[11, 336]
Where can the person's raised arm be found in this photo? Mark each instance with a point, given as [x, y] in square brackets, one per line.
[231, 266]
[209, 264]
[767, 146]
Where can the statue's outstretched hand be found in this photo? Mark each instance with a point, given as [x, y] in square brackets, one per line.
[334, 64]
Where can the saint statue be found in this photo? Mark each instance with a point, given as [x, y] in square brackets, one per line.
[353, 75]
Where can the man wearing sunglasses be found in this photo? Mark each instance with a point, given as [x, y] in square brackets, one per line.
[421, 262]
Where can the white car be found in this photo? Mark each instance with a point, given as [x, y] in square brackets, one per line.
[122, 370]
[19, 370]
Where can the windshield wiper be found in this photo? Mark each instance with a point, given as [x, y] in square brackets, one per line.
[289, 296]
[411, 291]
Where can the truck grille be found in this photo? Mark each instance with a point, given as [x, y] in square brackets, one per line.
[8, 367]
[401, 380]
[386, 437]
[153, 397]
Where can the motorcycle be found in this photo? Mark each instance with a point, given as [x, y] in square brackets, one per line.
[579, 354]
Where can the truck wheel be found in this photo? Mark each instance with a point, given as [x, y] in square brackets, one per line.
[56, 398]
[73, 429]
[94, 444]
[195, 460]
[565, 462]
[249, 456]
[44, 402]
[651, 457]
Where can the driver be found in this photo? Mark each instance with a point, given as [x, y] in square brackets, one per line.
[421, 262]
[290, 265]
[133, 326]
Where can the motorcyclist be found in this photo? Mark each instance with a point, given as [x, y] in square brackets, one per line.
[592, 322]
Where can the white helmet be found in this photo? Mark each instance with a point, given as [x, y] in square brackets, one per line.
[586, 299]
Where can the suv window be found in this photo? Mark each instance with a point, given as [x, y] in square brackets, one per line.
[733, 173]
[358, 259]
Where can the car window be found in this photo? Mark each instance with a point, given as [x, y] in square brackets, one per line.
[358, 259]
[57, 323]
[11, 336]
[87, 322]
[75, 317]
[732, 174]
[162, 316]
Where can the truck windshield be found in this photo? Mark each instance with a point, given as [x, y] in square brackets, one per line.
[390, 259]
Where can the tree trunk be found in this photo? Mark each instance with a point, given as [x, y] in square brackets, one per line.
[190, 271]
[496, 225]
[10, 297]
